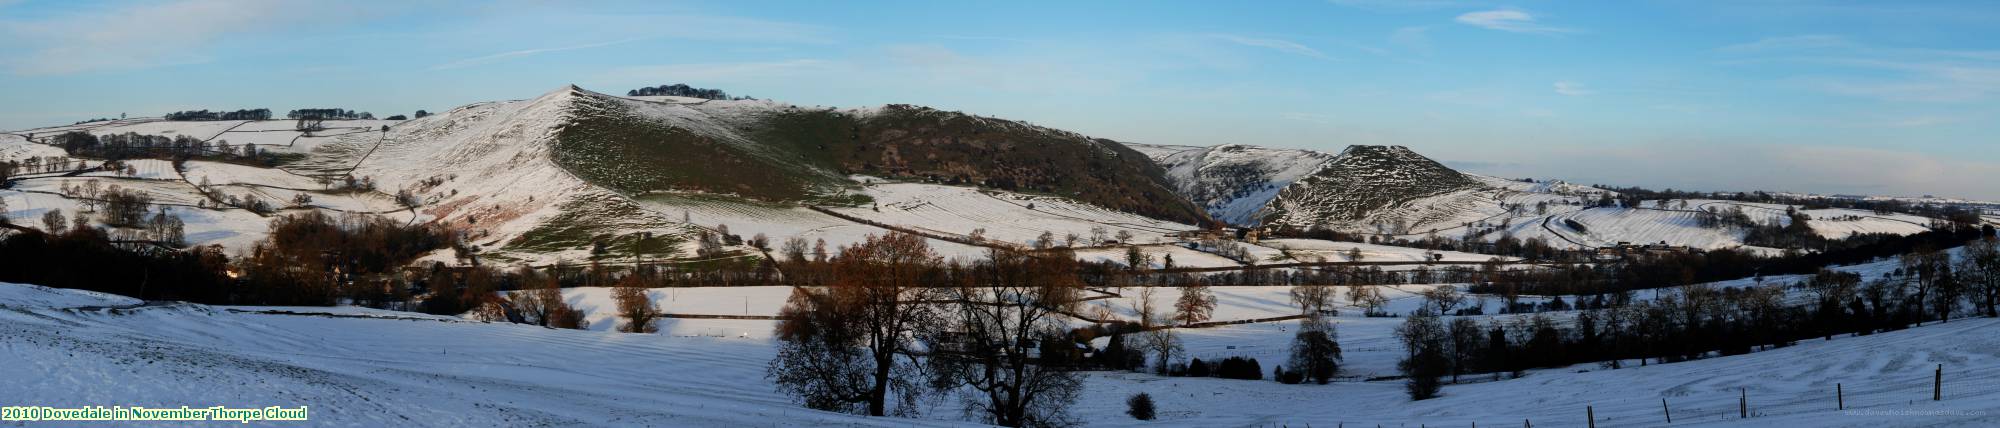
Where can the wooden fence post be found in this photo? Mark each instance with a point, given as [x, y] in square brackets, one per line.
[1590, 414]
[1667, 410]
[1937, 384]
[1743, 404]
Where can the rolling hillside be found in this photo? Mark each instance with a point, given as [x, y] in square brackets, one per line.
[546, 179]
[1232, 181]
[1360, 182]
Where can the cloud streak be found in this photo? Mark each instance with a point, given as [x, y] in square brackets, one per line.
[1285, 46]
[1573, 89]
[1889, 73]
[1509, 20]
[152, 35]
[1717, 166]
[489, 59]
[719, 72]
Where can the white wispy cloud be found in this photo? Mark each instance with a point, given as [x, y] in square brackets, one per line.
[488, 59]
[1842, 66]
[140, 36]
[723, 71]
[1807, 41]
[1280, 45]
[1399, 5]
[1414, 39]
[1573, 89]
[1511, 20]
[1739, 166]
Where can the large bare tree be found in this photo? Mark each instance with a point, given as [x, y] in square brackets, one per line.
[1195, 304]
[876, 302]
[1156, 336]
[1016, 365]
[1316, 346]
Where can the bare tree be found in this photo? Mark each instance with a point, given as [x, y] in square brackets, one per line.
[1195, 304]
[1424, 360]
[1365, 296]
[636, 308]
[1979, 269]
[542, 303]
[54, 223]
[1316, 346]
[1932, 269]
[1465, 343]
[1015, 306]
[1443, 299]
[1158, 338]
[866, 318]
[1313, 299]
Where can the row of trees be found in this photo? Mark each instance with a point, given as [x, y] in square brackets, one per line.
[329, 114]
[1879, 206]
[683, 90]
[201, 115]
[71, 253]
[134, 145]
[311, 258]
[1698, 321]
[265, 114]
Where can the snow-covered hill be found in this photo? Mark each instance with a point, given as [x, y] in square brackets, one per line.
[1356, 185]
[1232, 181]
[545, 179]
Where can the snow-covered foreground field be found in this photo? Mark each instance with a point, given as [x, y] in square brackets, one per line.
[1886, 379]
[361, 371]
[367, 367]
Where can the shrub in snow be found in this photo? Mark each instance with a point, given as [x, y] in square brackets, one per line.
[1140, 406]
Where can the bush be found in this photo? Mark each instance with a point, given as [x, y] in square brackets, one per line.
[1197, 368]
[1140, 406]
[1239, 368]
[1288, 377]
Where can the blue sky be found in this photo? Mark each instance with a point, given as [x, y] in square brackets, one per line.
[1818, 96]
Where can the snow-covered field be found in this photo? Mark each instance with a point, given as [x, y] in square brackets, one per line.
[357, 366]
[364, 369]
[17, 148]
[150, 169]
[1313, 249]
[779, 223]
[1610, 226]
[203, 130]
[1183, 257]
[954, 210]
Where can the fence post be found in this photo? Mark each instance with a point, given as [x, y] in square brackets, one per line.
[1591, 414]
[1743, 404]
[1839, 398]
[1667, 410]
[1937, 384]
